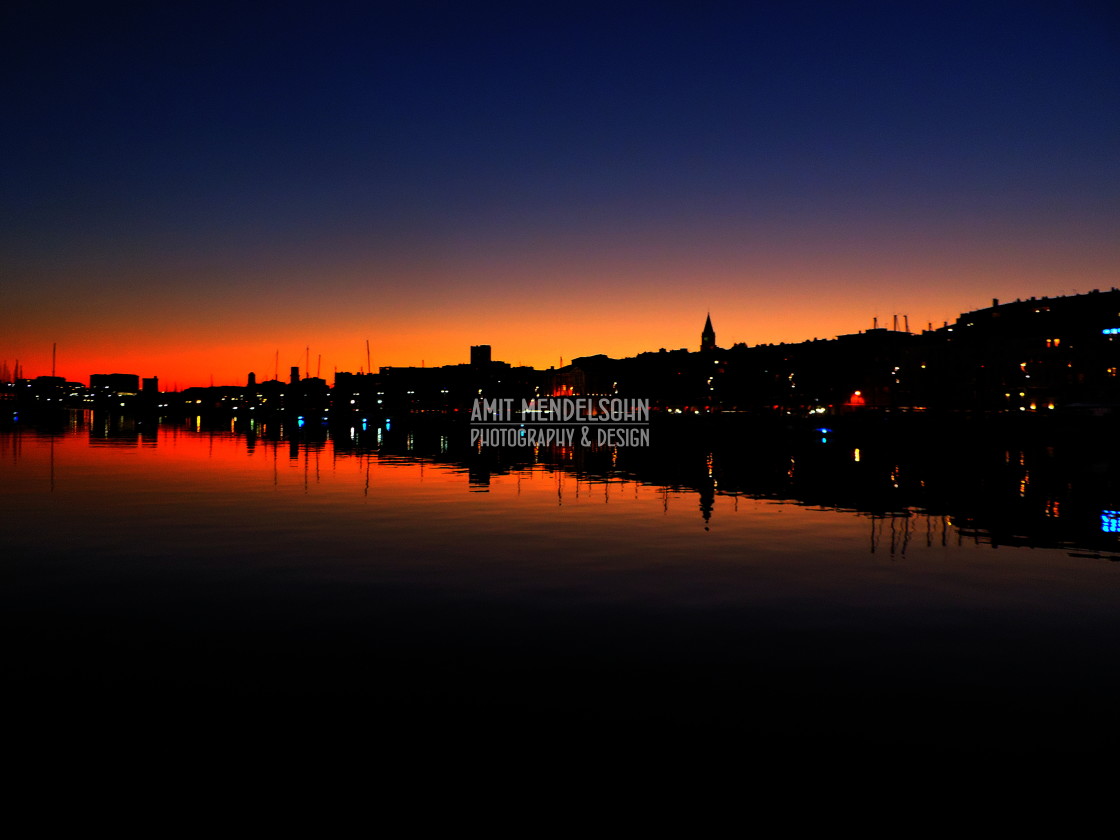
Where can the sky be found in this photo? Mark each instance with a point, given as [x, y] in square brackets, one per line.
[197, 191]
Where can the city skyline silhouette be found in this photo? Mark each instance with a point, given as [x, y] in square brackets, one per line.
[189, 193]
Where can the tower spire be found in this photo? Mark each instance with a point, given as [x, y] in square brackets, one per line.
[708, 336]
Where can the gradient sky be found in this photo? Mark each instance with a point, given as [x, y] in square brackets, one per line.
[188, 190]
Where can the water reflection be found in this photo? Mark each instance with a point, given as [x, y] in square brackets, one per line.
[976, 484]
[971, 485]
[763, 583]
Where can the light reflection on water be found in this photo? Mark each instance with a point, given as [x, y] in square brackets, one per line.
[217, 500]
[197, 528]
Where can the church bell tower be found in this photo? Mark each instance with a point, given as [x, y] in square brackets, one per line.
[708, 337]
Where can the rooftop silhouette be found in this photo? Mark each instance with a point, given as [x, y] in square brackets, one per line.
[1059, 354]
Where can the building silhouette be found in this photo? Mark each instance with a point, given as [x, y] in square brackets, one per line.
[114, 384]
[1056, 355]
[480, 355]
[708, 336]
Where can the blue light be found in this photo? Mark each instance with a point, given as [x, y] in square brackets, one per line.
[824, 440]
[1111, 331]
[1110, 521]
[824, 431]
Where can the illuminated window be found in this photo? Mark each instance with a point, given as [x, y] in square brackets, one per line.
[1110, 521]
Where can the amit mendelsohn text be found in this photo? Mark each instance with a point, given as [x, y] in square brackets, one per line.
[555, 421]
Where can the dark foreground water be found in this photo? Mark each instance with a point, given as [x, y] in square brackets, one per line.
[794, 597]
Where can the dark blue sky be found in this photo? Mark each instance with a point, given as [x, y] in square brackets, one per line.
[417, 156]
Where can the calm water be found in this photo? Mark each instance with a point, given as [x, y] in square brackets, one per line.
[794, 594]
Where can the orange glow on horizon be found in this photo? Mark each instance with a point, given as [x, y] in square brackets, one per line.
[632, 309]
